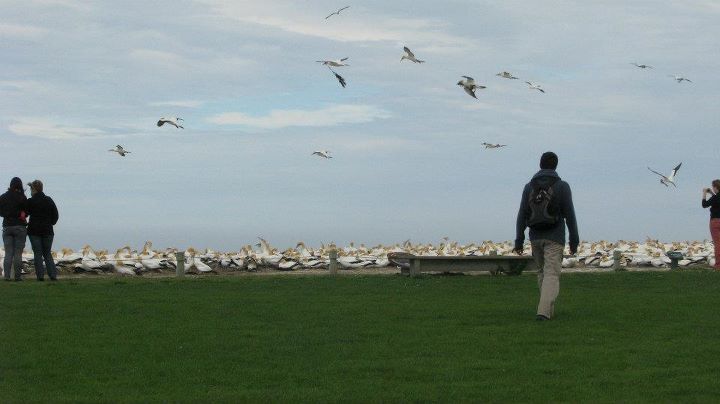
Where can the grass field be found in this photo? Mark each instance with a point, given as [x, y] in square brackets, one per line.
[617, 337]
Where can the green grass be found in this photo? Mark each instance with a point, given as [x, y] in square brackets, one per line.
[617, 337]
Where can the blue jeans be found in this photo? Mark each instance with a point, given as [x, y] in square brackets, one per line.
[41, 246]
[14, 242]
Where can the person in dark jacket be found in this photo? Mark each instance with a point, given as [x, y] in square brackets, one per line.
[12, 208]
[547, 239]
[43, 216]
[714, 204]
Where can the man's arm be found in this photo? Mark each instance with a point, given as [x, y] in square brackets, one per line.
[521, 222]
[570, 219]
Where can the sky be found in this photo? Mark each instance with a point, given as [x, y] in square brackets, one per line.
[79, 77]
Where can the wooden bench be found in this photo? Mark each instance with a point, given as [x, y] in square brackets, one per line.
[495, 264]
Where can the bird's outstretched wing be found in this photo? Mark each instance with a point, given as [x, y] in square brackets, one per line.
[662, 175]
[160, 123]
[344, 59]
[469, 78]
[689, 81]
[405, 48]
[470, 92]
[675, 171]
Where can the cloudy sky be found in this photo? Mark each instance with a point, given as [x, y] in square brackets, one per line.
[79, 77]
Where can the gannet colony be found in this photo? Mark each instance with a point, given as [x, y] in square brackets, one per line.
[264, 257]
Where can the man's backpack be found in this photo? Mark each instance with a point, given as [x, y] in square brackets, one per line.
[544, 205]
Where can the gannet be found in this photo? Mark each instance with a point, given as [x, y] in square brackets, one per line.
[171, 121]
[119, 150]
[410, 56]
[322, 153]
[669, 179]
[506, 75]
[534, 86]
[679, 79]
[469, 86]
[642, 66]
[334, 63]
[337, 12]
[339, 78]
[492, 146]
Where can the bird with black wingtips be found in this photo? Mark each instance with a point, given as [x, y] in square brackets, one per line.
[322, 153]
[679, 78]
[120, 151]
[506, 75]
[334, 63]
[670, 179]
[337, 12]
[469, 86]
[170, 121]
[410, 56]
[643, 66]
[534, 86]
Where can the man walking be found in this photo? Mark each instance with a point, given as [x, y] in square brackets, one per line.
[546, 207]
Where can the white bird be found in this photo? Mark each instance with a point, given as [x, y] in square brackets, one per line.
[506, 75]
[534, 86]
[493, 146]
[410, 56]
[337, 12]
[642, 66]
[334, 63]
[322, 153]
[170, 121]
[119, 150]
[670, 179]
[469, 86]
[679, 79]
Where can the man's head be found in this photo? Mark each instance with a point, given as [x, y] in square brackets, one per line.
[549, 161]
[36, 186]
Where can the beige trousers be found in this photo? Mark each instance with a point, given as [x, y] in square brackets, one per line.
[548, 257]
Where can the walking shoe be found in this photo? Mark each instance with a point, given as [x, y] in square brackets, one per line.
[540, 317]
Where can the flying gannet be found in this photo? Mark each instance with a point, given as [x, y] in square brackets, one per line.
[469, 86]
[410, 56]
[322, 153]
[170, 121]
[337, 12]
[670, 179]
[506, 75]
[679, 79]
[334, 63]
[119, 150]
[493, 146]
[641, 66]
[534, 86]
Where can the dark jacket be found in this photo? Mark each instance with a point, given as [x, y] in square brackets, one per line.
[714, 204]
[12, 203]
[561, 190]
[43, 215]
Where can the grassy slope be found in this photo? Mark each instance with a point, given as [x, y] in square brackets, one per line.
[618, 336]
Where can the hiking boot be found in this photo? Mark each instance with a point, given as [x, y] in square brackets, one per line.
[540, 317]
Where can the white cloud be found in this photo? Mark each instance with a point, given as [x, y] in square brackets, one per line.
[21, 31]
[329, 116]
[177, 103]
[46, 129]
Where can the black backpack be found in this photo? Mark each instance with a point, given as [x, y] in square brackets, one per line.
[544, 206]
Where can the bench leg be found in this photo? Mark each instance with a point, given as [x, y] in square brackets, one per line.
[415, 268]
